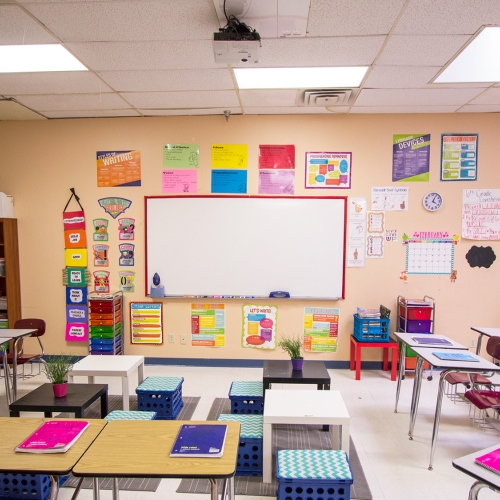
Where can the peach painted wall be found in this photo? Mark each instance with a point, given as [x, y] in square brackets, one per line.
[41, 161]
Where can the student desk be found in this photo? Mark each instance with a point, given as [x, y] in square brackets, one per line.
[425, 354]
[15, 430]
[141, 448]
[355, 358]
[406, 339]
[484, 477]
[489, 332]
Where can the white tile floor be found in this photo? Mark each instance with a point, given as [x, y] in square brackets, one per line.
[396, 468]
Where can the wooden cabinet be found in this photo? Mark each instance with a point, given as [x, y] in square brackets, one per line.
[10, 286]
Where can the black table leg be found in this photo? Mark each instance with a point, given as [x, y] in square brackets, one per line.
[104, 404]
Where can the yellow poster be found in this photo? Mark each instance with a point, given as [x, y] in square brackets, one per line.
[226, 156]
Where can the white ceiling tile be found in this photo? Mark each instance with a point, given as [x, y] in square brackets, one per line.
[64, 82]
[489, 96]
[73, 102]
[18, 28]
[268, 97]
[92, 113]
[191, 112]
[484, 108]
[415, 97]
[402, 109]
[427, 50]
[284, 110]
[128, 21]
[202, 99]
[168, 80]
[348, 18]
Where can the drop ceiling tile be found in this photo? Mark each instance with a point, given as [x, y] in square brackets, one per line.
[95, 113]
[18, 28]
[284, 110]
[415, 97]
[403, 109]
[268, 97]
[63, 82]
[128, 20]
[447, 16]
[427, 50]
[65, 102]
[191, 112]
[489, 96]
[348, 18]
[139, 56]
[202, 99]
[168, 80]
[483, 108]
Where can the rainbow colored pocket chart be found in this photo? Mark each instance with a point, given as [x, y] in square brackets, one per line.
[259, 326]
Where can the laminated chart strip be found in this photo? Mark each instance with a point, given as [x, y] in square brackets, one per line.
[146, 323]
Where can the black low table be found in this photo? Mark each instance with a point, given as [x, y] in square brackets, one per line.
[280, 372]
[78, 398]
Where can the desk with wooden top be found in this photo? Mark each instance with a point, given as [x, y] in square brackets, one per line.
[141, 448]
[15, 430]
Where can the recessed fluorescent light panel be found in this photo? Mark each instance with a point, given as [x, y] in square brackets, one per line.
[294, 78]
[37, 58]
[478, 61]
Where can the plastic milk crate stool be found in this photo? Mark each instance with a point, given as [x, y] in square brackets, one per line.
[162, 395]
[249, 461]
[22, 486]
[247, 397]
[313, 474]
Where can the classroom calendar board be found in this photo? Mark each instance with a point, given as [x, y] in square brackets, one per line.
[246, 247]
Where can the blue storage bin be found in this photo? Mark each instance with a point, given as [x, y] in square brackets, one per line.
[23, 486]
[162, 395]
[371, 329]
[247, 397]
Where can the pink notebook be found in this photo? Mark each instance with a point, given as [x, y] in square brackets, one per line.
[53, 436]
[491, 460]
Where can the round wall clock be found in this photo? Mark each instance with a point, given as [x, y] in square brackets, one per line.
[432, 201]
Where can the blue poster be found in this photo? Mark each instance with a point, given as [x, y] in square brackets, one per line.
[410, 157]
[229, 181]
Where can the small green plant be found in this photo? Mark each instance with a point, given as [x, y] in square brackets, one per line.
[291, 344]
[57, 367]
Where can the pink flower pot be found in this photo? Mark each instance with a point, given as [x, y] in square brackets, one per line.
[60, 390]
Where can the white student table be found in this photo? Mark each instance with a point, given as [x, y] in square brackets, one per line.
[406, 339]
[303, 407]
[425, 354]
[489, 332]
[110, 366]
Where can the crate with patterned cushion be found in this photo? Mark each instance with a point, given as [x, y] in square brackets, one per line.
[162, 395]
[247, 397]
[130, 415]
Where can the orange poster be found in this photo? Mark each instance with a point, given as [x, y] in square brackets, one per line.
[118, 168]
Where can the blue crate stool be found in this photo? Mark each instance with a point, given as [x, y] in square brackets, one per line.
[130, 415]
[162, 395]
[249, 461]
[247, 397]
[22, 486]
[313, 474]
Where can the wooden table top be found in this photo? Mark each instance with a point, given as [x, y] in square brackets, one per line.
[15, 430]
[141, 448]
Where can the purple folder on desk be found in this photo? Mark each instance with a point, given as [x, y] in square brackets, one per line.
[455, 356]
[431, 340]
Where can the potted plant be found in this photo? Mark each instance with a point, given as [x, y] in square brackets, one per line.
[57, 368]
[292, 345]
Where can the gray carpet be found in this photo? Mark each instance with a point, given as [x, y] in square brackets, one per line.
[124, 484]
[284, 437]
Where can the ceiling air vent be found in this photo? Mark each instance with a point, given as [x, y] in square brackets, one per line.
[325, 97]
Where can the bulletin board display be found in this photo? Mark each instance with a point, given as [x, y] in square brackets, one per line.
[246, 247]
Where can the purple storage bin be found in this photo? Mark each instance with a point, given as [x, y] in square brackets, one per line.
[415, 326]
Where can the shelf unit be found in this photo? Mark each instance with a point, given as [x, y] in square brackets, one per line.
[105, 323]
[10, 283]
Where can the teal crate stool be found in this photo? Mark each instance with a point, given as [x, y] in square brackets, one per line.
[162, 395]
[249, 461]
[130, 415]
[247, 397]
[313, 474]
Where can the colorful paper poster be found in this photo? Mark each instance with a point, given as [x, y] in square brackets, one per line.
[356, 232]
[481, 214]
[389, 198]
[126, 229]
[181, 155]
[74, 220]
[75, 238]
[374, 246]
[76, 257]
[76, 332]
[229, 181]
[75, 276]
[127, 281]
[276, 182]
[226, 156]
[459, 157]
[376, 222]
[179, 181]
[277, 156]
[76, 314]
[208, 325]
[146, 323]
[114, 206]
[328, 170]
[259, 326]
[321, 329]
[100, 229]
[391, 235]
[411, 157]
[118, 168]
[126, 254]
[101, 281]
[75, 296]
[101, 258]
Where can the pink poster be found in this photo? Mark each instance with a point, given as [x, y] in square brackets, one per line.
[77, 332]
[179, 181]
[277, 156]
[276, 181]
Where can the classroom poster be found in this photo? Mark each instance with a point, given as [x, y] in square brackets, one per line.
[280, 156]
[389, 198]
[276, 182]
[375, 239]
[101, 253]
[481, 214]
[328, 170]
[100, 229]
[321, 328]
[259, 326]
[229, 181]
[118, 168]
[127, 281]
[459, 157]
[411, 157]
[181, 155]
[356, 232]
[126, 229]
[208, 325]
[146, 323]
[179, 181]
[226, 156]
[101, 281]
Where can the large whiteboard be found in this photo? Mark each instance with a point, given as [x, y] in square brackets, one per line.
[208, 246]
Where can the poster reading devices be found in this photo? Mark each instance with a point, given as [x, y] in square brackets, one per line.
[259, 326]
[118, 168]
[146, 323]
[410, 157]
[321, 328]
[459, 157]
[481, 214]
[328, 170]
[208, 325]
